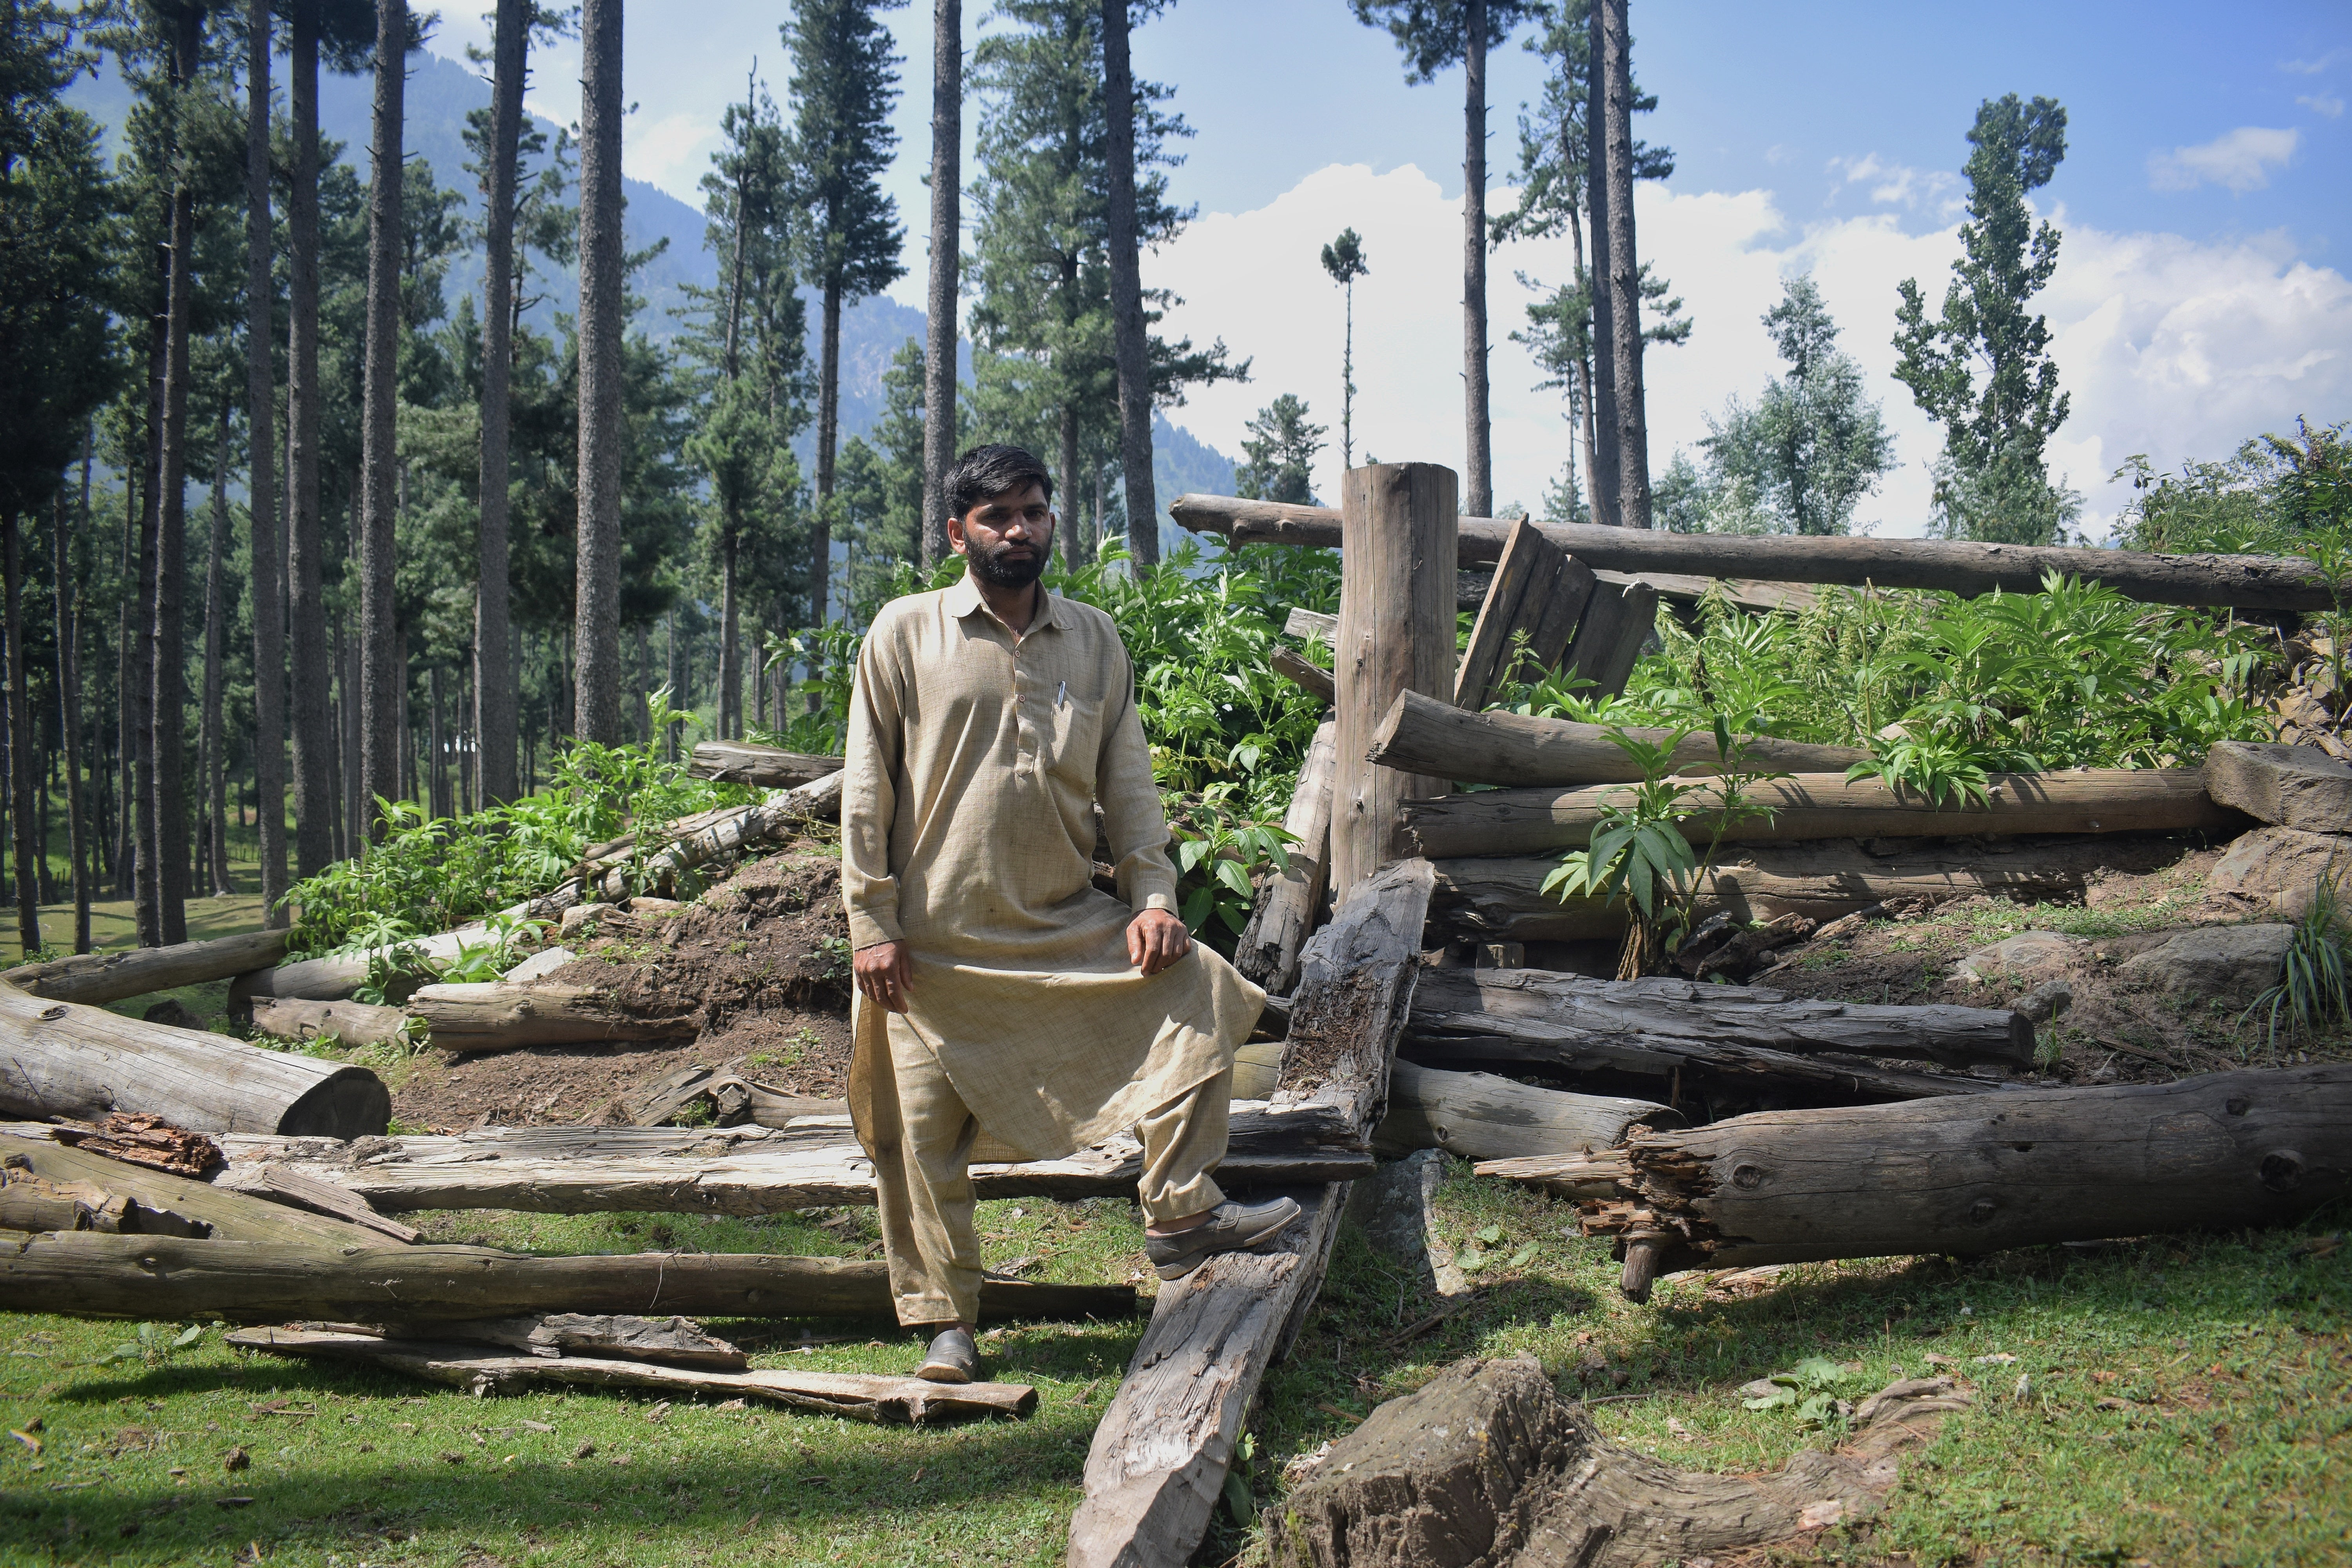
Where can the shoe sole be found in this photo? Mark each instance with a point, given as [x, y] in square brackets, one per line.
[1178, 1271]
[941, 1371]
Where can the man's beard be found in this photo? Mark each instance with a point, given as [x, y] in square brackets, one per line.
[996, 566]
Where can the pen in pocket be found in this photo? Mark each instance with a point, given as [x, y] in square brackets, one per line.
[1062, 694]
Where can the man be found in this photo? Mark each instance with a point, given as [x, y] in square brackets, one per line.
[998, 990]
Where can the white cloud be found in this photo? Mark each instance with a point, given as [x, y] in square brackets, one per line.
[671, 153]
[2167, 346]
[2324, 103]
[2313, 66]
[1897, 184]
[2238, 160]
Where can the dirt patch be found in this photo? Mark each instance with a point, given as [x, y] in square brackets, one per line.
[758, 964]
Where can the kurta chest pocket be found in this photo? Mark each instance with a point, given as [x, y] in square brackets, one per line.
[1070, 737]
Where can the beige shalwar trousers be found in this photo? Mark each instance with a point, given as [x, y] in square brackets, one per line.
[922, 1157]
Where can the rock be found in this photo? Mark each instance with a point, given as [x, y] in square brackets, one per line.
[1488, 1465]
[543, 962]
[2027, 950]
[2291, 786]
[2214, 960]
[169, 1011]
[2281, 871]
[2044, 1002]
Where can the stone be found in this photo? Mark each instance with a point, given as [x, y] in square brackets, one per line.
[2044, 1002]
[171, 1011]
[2280, 871]
[2027, 950]
[539, 965]
[2214, 960]
[2289, 786]
[1391, 1209]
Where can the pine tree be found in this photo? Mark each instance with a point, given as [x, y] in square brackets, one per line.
[939, 337]
[1992, 484]
[597, 619]
[1281, 447]
[1343, 258]
[1813, 446]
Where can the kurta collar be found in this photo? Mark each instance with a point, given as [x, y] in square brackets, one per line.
[963, 599]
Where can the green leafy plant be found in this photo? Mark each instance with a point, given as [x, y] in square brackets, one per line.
[155, 1345]
[1240, 1500]
[1221, 848]
[1939, 771]
[1809, 1393]
[2314, 990]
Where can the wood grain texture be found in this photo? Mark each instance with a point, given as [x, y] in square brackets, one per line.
[349, 1022]
[1417, 735]
[230, 1214]
[1526, 582]
[1826, 805]
[857, 1396]
[84, 1276]
[96, 978]
[1312, 678]
[1501, 898]
[1267, 952]
[764, 767]
[1484, 1115]
[1396, 634]
[498, 1015]
[1618, 620]
[65, 1059]
[2247, 582]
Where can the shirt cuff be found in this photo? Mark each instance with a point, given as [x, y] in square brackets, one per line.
[868, 928]
[1166, 902]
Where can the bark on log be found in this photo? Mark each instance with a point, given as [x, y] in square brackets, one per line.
[1419, 734]
[1621, 1016]
[1502, 899]
[764, 767]
[1159, 1456]
[349, 1023]
[726, 837]
[1396, 634]
[493, 1015]
[1826, 805]
[62, 1059]
[2023, 1168]
[97, 978]
[1488, 1465]
[2246, 582]
[859, 1396]
[228, 1213]
[1480, 1116]
[308, 980]
[1267, 952]
[84, 1276]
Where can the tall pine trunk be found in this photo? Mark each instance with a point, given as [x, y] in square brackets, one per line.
[261, 480]
[1603, 466]
[69, 701]
[939, 297]
[20, 745]
[381, 651]
[216, 734]
[597, 604]
[730, 649]
[1069, 485]
[1624, 269]
[318, 793]
[172, 524]
[495, 718]
[1580, 387]
[1129, 346]
[828, 431]
[126, 640]
[1478, 482]
[147, 865]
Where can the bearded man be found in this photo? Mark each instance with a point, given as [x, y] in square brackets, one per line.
[999, 991]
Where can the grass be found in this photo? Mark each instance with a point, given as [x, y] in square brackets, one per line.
[2232, 1352]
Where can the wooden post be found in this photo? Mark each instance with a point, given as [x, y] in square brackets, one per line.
[1396, 634]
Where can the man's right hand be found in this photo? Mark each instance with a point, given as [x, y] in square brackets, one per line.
[884, 973]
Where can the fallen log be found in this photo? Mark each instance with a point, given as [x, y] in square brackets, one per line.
[225, 1213]
[292, 1187]
[342, 1023]
[33, 1203]
[306, 980]
[763, 767]
[494, 1015]
[63, 1058]
[1487, 1464]
[2246, 582]
[96, 978]
[1421, 734]
[1312, 678]
[86, 1276]
[1501, 898]
[858, 1397]
[1161, 1453]
[1481, 1116]
[1267, 952]
[1826, 805]
[1632, 1015]
[2023, 1168]
[731, 835]
[672, 1341]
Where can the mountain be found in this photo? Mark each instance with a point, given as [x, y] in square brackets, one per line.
[441, 93]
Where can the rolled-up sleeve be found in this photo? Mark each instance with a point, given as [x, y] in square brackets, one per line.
[1133, 823]
[869, 793]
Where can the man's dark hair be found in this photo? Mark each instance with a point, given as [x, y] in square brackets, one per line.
[986, 472]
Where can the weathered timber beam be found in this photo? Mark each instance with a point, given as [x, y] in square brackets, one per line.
[1501, 898]
[349, 1023]
[86, 1276]
[1632, 1015]
[816, 802]
[96, 978]
[228, 1213]
[2023, 1168]
[2246, 582]
[764, 767]
[1267, 952]
[63, 1058]
[498, 1015]
[1481, 1116]
[1312, 678]
[1423, 735]
[1826, 805]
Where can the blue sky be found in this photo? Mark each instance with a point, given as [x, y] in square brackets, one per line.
[2201, 292]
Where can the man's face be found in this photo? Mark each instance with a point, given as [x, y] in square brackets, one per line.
[1007, 538]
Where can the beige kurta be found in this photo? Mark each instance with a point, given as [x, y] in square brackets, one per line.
[974, 762]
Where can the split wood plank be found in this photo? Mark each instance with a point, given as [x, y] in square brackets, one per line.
[858, 1397]
[1267, 952]
[97, 978]
[1536, 586]
[1618, 621]
[1828, 806]
[763, 767]
[672, 1341]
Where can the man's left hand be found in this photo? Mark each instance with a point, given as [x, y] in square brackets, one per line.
[1155, 938]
